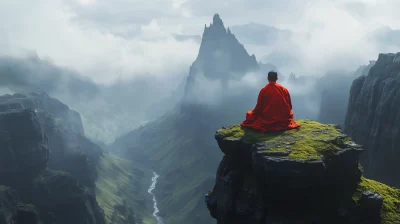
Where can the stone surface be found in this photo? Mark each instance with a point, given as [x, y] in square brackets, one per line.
[23, 146]
[305, 175]
[61, 199]
[373, 118]
[370, 205]
[70, 150]
[66, 117]
[45, 196]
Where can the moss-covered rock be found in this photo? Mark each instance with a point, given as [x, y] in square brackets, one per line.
[309, 142]
[306, 175]
[390, 212]
[313, 153]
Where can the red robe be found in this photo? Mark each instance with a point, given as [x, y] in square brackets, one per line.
[273, 111]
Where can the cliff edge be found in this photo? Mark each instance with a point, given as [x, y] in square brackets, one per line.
[305, 175]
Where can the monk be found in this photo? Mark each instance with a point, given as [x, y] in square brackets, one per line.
[273, 111]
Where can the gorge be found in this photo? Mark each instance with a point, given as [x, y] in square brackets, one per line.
[56, 162]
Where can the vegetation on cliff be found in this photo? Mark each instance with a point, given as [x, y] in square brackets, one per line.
[309, 141]
[390, 212]
[309, 174]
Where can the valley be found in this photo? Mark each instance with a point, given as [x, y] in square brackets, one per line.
[165, 145]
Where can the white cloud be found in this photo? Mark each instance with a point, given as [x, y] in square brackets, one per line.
[46, 27]
[108, 40]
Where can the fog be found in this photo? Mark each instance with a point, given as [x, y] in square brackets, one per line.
[124, 63]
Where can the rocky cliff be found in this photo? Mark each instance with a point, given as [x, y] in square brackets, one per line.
[306, 175]
[70, 150]
[54, 196]
[67, 118]
[372, 118]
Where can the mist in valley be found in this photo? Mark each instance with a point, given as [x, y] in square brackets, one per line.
[144, 78]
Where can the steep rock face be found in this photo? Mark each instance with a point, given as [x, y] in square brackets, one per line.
[373, 118]
[23, 146]
[306, 175]
[70, 150]
[24, 154]
[64, 200]
[69, 119]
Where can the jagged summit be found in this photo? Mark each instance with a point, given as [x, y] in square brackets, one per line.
[217, 21]
[221, 56]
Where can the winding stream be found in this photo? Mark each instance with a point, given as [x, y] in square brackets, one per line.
[151, 188]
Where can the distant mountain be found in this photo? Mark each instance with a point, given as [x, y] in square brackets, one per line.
[221, 56]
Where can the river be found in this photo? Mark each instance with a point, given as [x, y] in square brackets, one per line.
[151, 188]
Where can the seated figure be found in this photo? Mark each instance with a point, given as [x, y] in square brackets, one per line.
[273, 111]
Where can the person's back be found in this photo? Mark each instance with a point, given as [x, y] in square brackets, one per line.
[273, 111]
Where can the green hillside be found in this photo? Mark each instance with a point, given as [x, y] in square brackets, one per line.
[184, 152]
[121, 190]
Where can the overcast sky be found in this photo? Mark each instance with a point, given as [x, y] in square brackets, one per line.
[108, 40]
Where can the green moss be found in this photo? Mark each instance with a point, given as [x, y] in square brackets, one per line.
[391, 199]
[306, 142]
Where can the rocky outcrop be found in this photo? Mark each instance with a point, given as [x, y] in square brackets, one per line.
[43, 196]
[64, 200]
[23, 146]
[70, 150]
[67, 118]
[373, 118]
[306, 175]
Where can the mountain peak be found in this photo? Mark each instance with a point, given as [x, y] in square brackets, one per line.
[221, 56]
[217, 20]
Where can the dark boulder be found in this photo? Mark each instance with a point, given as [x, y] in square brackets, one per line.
[370, 206]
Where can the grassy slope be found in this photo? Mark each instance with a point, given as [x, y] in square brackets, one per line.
[390, 212]
[186, 156]
[120, 180]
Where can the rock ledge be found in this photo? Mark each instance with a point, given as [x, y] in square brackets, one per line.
[305, 175]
